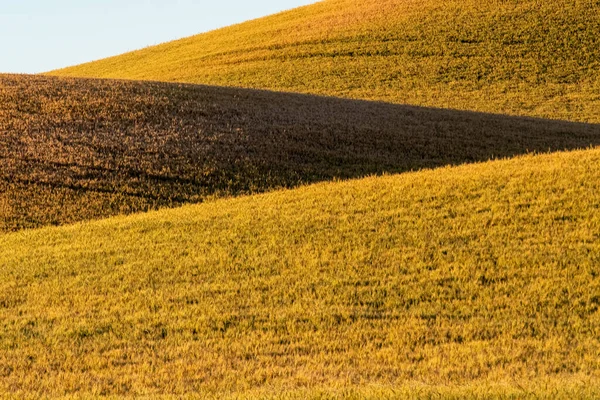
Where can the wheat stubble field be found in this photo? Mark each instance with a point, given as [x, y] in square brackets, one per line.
[220, 229]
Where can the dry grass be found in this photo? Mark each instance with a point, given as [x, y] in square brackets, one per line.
[528, 57]
[478, 281]
[81, 149]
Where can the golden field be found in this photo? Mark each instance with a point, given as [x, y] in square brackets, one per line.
[376, 199]
[80, 149]
[477, 281]
[528, 57]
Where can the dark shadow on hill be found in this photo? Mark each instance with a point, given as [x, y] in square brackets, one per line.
[73, 149]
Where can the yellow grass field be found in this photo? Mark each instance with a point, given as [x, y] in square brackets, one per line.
[529, 57]
[477, 281]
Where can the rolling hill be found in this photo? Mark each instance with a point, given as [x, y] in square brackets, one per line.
[528, 57]
[405, 255]
[477, 281]
[77, 149]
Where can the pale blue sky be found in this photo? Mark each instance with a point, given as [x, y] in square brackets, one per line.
[41, 35]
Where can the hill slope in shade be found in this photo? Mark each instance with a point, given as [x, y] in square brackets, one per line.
[529, 57]
[79, 149]
[465, 277]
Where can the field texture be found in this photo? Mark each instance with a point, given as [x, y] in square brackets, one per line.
[528, 57]
[466, 281]
[72, 150]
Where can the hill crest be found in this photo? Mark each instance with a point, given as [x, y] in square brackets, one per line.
[530, 57]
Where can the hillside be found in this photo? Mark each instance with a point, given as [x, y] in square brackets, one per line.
[528, 57]
[81, 149]
[473, 280]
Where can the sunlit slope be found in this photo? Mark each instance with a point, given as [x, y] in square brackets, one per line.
[475, 275]
[75, 149]
[528, 57]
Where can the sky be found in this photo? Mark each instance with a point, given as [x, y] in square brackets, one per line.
[42, 35]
